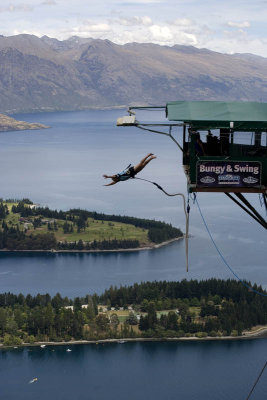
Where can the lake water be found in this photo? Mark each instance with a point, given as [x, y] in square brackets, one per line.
[62, 167]
[188, 371]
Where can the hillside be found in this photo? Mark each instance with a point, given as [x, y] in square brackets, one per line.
[44, 74]
[26, 226]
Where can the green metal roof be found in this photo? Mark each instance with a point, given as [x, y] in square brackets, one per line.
[245, 116]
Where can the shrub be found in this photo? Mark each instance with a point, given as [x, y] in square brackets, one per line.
[10, 340]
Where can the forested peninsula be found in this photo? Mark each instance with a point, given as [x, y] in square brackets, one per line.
[27, 226]
[193, 309]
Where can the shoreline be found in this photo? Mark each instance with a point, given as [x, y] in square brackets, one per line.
[53, 110]
[151, 247]
[261, 333]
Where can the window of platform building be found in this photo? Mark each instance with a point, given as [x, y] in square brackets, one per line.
[251, 138]
[223, 142]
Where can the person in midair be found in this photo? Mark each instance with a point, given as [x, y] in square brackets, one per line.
[130, 171]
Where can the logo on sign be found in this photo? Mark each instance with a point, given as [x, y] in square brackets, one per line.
[207, 179]
[250, 179]
[228, 177]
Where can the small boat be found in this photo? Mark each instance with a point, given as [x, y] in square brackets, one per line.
[121, 341]
[34, 380]
[42, 346]
[68, 350]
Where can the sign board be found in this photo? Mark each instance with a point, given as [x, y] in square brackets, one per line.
[228, 173]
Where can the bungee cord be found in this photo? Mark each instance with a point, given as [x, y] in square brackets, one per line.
[186, 212]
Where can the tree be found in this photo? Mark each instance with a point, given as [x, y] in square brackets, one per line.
[90, 311]
[77, 327]
[11, 325]
[2, 320]
[48, 315]
[131, 319]
[172, 323]
[77, 305]
[151, 315]
[102, 322]
[114, 321]
[163, 320]
[144, 305]
[80, 245]
[81, 224]
[10, 340]
[195, 302]
[143, 323]
[3, 211]
[66, 227]
[183, 309]
[37, 222]
[57, 301]
[20, 317]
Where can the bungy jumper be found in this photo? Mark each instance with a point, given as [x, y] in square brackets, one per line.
[224, 146]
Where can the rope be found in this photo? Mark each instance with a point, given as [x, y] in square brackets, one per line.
[161, 133]
[222, 257]
[257, 380]
[186, 212]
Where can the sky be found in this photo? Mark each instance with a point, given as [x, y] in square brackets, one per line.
[226, 26]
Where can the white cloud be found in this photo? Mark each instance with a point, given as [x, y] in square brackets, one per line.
[239, 35]
[142, 1]
[236, 42]
[168, 35]
[89, 29]
[48, 3]
[183, 22]
[101, 27]
[133, 21]
[161, 33]
[244, 24]
[13, 8]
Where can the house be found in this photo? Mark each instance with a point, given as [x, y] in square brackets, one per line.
[69, 308]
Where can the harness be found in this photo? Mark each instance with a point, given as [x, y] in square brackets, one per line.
[125, 174]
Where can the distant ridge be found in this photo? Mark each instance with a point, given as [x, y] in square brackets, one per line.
[45, 74]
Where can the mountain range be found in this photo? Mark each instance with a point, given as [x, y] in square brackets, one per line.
[45, 74]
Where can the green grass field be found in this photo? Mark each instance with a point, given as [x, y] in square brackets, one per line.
[97, 230]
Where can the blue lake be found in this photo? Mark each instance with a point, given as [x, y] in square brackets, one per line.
[62, 167]
[189, 371]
